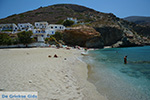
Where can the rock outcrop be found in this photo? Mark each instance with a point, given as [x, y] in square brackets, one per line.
[110, 35]
[124, 34]
[83, 36]
[95, 42]
[98, 37]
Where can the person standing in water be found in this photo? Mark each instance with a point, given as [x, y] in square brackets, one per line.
[125, 60]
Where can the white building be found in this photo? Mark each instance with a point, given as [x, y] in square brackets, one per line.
[41, 31]
[52, 28]
[41, 25]
[56, 27]
[25, 26]
[50, 32]
[73, 19]
[9, 28]
[41, 34]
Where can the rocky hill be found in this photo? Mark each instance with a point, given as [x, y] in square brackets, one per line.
[141, 20]
[54, 14]
[112, 30]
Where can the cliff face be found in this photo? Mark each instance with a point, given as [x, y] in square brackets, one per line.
[98, 37]
[122, 37]
[142, 30]
[110, 35]
[83, 36]
[120, 33]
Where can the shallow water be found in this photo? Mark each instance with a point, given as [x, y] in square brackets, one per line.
[119, 81]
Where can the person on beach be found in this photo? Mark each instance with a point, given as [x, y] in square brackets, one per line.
[125, 60]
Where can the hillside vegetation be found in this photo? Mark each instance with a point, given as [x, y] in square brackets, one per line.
[54, 14]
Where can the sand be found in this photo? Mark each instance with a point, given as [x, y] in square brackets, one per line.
[62, 78]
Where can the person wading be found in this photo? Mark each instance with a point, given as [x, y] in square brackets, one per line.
[125, 60]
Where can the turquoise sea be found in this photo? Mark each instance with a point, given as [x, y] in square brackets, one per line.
[119, 81]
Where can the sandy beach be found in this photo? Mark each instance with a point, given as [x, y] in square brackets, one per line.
[62, 78]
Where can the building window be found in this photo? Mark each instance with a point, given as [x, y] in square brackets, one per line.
[55, 26]
[42, 35]
[43, 31]
[51, 27]
[52, 32]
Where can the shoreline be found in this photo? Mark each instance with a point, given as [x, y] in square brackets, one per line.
[30, 69]
[90, 90]
[109, 80]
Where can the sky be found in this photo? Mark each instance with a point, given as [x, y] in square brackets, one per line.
[121, 8]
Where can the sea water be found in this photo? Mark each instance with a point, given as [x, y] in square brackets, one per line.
[119, 81]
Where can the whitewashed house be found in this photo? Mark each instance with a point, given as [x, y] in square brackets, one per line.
[8, 28]
[52, 28]
[56, 27]
[43, 33]
[41, 25]
[50, 32]
[73, 19]
[40, 34]
[25, 26]
[41, 30]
